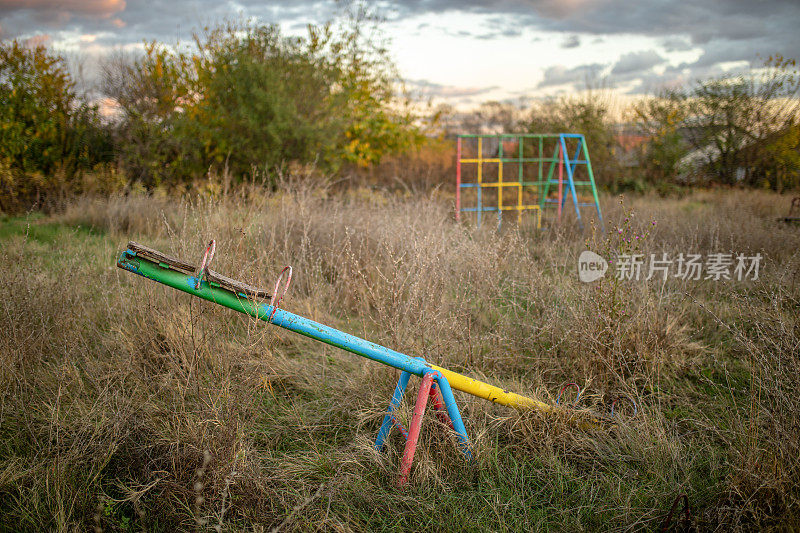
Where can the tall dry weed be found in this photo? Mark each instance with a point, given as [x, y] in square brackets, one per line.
[127, 404]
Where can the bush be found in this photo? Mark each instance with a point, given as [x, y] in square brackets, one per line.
[251, 97]
[49, 134]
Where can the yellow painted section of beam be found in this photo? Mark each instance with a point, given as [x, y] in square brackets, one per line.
[490, 392]
[479, 160]
[515, 401]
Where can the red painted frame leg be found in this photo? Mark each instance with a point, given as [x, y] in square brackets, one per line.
[438, 405]
[415, 427]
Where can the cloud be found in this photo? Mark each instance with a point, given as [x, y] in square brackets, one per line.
[41, 39]
[576, 76]
[635, 62]
[573, 41]
[676, 44]
[725, 33]
[721, 32]
[63, 10]
[430, 89]
[133, 21]
[23, 18]
[767, 26]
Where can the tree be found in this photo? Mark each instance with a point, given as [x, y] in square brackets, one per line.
[37, 98]
[780, 159]
[587, 114]
[148, 92]
[379, 120]
[732, 118]
[48, 133]
[262, 99]
[660, 119]
[492, 117]
[246, 96]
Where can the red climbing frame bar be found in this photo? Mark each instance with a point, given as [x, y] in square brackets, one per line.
[415, 427]
[210, 249]
[560, 178]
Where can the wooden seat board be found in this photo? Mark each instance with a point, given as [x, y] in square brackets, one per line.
[235, 286]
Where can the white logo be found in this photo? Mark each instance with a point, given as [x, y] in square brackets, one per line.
[591, 266]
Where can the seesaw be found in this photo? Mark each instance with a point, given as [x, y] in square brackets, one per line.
[437, 382]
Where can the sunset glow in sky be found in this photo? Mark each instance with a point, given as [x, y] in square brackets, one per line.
[466, 51]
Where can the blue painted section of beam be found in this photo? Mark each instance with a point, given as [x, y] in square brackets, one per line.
[345, 341]
[570, 174]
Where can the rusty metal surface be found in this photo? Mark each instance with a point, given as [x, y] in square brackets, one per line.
[188, 268]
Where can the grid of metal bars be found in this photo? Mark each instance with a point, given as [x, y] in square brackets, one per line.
[527, 155]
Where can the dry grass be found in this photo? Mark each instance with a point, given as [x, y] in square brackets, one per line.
[129, 406]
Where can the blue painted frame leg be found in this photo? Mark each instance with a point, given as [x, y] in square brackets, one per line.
[397, 397]
[480, 205]
[571, 166]
[454, 414]
[567, 190]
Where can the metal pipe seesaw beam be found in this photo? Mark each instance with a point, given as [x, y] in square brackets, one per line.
[165, 274]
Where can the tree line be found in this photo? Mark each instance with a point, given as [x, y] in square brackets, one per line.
[736, 130]
[244, 99]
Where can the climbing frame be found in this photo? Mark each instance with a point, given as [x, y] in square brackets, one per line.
[543, 171]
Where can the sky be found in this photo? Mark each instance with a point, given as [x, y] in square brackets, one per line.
[466, 51]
